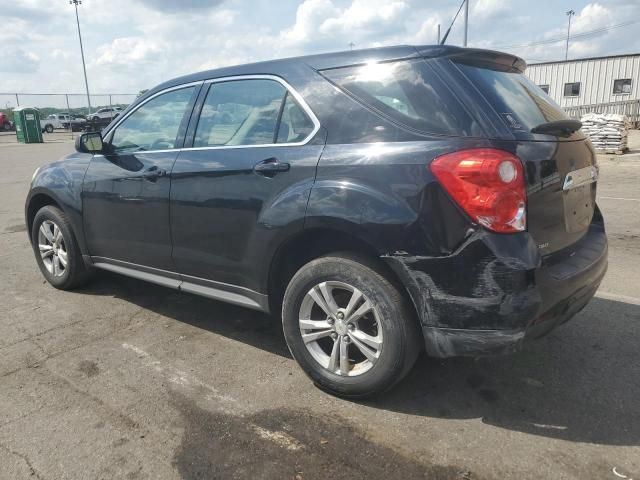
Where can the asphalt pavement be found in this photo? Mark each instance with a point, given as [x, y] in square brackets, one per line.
[124, 379]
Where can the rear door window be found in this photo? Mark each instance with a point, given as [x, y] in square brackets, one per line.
[521, 103]
[240, 112]
[407, 92]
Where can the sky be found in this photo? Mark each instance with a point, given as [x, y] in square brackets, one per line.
[132, 45]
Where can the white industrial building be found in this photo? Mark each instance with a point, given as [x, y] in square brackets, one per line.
[599, 84]
[588, 81]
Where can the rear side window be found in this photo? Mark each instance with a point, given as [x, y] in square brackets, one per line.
[248, 112]
[407, 92]
[520, 102]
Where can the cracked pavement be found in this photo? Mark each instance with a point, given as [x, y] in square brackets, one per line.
[123, 379]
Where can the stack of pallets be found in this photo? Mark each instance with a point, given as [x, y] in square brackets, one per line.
[607, 132]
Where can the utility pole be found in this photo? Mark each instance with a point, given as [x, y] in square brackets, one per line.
[570, 14]
[351, 45]
[466, 22]
[438, 34]
[75, 3]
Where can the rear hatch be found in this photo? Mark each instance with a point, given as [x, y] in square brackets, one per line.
[559, 162]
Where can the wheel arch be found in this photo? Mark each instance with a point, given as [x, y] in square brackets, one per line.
[311, 243]
[35, 203]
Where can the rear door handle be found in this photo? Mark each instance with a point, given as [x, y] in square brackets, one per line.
[271, 166]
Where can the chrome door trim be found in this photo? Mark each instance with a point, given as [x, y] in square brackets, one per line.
[301, 101]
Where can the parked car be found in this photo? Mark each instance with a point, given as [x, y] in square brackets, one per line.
[108, 113]
[77, 122]
[383, 201]
[5, 123]
[57, 121]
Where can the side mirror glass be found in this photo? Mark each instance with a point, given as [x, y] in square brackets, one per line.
[89, 143]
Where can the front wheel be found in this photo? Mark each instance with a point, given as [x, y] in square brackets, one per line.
[48, 128]
[56, 249]
[350, 329]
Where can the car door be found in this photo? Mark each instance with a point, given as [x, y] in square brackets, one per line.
[243, 182]
[125, 194]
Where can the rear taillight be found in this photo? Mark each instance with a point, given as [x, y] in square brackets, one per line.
[488, 184]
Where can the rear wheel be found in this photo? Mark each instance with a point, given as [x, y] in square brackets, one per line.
[56, 249]
[350, 328]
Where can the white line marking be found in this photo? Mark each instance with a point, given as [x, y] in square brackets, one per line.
[177, 376]
[620, 198]
[618, 298]
[281, 439]
[550, 427]
[620, 475]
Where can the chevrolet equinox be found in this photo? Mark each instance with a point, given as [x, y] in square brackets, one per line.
[384, 201]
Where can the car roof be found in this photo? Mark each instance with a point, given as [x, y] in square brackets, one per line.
[345, 58]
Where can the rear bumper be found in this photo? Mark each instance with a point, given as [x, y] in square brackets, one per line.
[496, 292]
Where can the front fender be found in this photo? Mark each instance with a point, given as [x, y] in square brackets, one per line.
[61, 181]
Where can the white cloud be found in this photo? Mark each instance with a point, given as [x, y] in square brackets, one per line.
[135, 44]
[364, 15]
[18, 61]
[129, 51]
[485, 9]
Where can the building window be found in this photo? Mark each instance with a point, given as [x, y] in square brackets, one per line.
[572, 89]
[622, 86]
[544, 88]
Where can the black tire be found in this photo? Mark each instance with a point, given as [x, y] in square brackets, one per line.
[75, 272]
[48, 128]
[400, 330]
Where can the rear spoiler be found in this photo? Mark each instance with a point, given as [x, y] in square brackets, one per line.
[475, 56]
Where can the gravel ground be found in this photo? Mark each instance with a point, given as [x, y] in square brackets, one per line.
[124, 379]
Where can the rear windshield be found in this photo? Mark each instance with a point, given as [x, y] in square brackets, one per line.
[407, 92]
[520, 102]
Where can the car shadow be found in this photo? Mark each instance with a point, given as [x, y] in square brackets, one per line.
[580, 383]
[248, 326]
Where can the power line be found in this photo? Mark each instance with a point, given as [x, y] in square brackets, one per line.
[563, 38]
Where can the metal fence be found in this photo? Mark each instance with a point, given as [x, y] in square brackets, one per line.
[75, 103]
[630, 108]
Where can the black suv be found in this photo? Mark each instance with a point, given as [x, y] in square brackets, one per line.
[384, 201]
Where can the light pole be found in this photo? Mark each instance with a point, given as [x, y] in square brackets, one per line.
[570, 14]
[75, 3]
[466, 22]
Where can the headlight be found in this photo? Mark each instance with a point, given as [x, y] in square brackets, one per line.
[33, 177]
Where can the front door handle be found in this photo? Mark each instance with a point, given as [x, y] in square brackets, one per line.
[153, 173]
[270, 167]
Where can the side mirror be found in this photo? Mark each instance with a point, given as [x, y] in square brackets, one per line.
[89, 143]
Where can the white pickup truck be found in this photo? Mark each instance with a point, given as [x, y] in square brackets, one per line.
[61, 120]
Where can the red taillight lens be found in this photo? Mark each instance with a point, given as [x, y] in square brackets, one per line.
[488, 184]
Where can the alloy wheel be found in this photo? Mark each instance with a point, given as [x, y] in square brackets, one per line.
[52, 248]
[340, 327]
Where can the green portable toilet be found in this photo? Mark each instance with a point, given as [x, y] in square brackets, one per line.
[27, 120]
